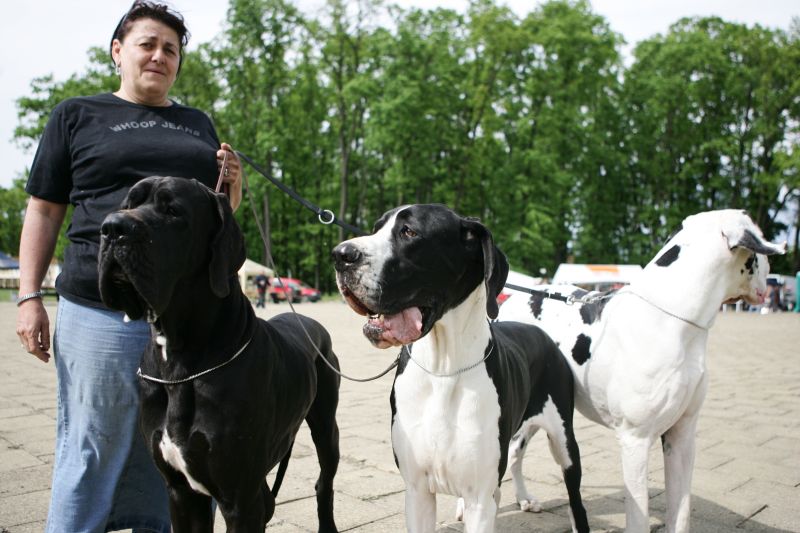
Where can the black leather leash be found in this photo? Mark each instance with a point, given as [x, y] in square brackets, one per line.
[566, 298]
[325, 216]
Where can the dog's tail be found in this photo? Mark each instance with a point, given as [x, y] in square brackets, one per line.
[281, 471]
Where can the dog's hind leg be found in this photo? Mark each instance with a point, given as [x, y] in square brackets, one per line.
[276, 485]
[557, 422]
[516, 453]
[269, 498]
[321, 419]
[572, 479]
[678, 448]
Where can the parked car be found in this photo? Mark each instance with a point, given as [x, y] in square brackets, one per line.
[285, 289]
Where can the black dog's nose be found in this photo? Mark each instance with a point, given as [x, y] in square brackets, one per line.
[116, 225]
[345, 255]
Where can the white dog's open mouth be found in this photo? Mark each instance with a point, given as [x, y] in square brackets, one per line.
[758, 299]
[390, 329]
[394, 329]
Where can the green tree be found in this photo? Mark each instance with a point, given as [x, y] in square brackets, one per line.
[530, 123]
[712, 108]
[12, 213]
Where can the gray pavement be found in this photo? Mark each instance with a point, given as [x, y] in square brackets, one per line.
[747, 473]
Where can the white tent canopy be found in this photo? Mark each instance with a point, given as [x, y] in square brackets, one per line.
[250, 269]
[596, 275]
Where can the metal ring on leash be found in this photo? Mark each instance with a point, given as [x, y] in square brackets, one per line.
[329, 213]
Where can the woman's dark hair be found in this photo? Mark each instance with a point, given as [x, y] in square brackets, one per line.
[143, 9]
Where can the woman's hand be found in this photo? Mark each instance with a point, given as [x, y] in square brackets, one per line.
[231, 173]
[40, 230]
[33, 328]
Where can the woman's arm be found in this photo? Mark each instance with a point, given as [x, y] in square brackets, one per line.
[40, 230]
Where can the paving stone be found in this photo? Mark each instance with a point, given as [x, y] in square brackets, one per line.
[746, 477]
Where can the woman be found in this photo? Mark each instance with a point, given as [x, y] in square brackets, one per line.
[92, 150]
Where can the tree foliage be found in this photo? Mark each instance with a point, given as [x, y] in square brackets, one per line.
[531, 123]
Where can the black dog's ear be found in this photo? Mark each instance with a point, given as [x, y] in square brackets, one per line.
[227, 247]
[495, 264]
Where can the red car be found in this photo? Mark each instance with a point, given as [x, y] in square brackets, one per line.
[283, 289]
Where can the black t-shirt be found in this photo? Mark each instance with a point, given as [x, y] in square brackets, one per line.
[93, 150]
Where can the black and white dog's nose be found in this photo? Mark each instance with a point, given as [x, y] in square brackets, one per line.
[345, 255]
[117, 225]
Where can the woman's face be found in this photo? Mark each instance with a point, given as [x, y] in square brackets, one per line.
[148, 58]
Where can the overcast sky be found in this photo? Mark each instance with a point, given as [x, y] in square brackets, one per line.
[52, 37]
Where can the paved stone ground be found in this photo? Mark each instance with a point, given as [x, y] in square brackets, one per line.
[747, 474]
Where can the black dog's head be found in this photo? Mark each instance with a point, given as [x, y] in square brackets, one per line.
[420, 262]
[169, 233]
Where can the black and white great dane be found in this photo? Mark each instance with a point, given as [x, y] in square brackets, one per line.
[234, 388]
[639, 354]
[467, 394]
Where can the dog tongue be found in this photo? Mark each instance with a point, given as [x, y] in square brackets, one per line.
[405, 326]
[393, 330]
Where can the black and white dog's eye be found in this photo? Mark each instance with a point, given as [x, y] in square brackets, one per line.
[405, 231]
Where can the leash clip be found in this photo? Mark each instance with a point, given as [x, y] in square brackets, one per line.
[326, 212]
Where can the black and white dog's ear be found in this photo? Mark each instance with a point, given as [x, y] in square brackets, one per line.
[495, 265]
[753, 242]
[227, 247]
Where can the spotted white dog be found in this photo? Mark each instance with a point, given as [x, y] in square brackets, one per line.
[638, 354]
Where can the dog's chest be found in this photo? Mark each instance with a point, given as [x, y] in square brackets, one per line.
[172, 455]
[446, 429]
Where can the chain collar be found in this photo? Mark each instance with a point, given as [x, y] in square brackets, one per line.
[457, 372]
[193, 376]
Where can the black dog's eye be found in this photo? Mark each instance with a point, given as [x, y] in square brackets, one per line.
[405, 231]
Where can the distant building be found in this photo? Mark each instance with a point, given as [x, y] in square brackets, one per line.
[9, 273]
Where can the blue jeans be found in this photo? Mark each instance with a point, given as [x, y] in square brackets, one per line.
[103, 476]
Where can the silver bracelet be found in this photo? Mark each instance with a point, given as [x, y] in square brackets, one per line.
[29, 296]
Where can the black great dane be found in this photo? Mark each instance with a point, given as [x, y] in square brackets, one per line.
[468, 394]
[223, 392]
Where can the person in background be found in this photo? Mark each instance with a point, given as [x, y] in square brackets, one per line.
[262, 282]
[93, 150]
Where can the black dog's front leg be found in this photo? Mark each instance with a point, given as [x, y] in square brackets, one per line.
[190, 511]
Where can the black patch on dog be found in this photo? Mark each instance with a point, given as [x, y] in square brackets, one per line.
[536, 304]
[592, 311]
[580, 352]
[749, 264]
[669, 257]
